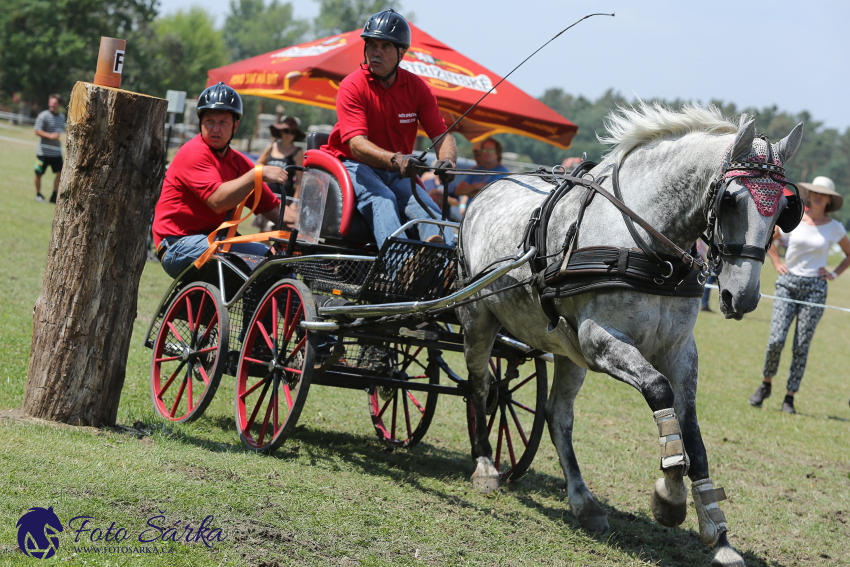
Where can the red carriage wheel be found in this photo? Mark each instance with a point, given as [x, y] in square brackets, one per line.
[516, 414]
[189, 353]
[275, 366]
[401, 417]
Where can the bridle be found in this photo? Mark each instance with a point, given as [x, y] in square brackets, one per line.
[718, 249]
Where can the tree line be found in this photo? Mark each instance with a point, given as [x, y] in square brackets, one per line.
[824, 151]
[46, 47]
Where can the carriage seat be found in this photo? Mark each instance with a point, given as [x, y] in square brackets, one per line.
[342, 223]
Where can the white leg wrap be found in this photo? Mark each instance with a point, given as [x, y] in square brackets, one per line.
[712, 522]
[673, 452]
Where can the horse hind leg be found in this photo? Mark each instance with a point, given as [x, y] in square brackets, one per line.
[480, 327]
[610, 351]
[566, 383]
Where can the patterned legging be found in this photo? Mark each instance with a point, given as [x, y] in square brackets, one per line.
[800, 288]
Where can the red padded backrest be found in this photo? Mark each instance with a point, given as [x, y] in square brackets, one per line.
[321, 160]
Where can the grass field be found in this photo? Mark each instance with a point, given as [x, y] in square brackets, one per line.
[333, 495]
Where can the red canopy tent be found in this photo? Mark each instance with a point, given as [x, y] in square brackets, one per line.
[310, 73]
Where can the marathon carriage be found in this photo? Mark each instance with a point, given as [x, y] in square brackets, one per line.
[326, 307]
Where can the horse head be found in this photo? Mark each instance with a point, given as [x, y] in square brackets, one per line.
[746, 202]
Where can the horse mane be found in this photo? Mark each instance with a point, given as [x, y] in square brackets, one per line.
[629, 126]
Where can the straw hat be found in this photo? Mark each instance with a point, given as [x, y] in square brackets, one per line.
[289, 123]
[825, 186]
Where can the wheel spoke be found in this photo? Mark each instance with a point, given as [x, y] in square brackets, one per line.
[288, 395]
[189, 313]
[406, 415]
[415, 401]
[189, 381]
[295, 350]
[499, 447]
[291, 328]
[286, 313]
[210, 326]
[204, 375]
[523, 383]
[179, 395]
[383, 409]
[257, 407]
[200, 313]
[274, 323]
[208, 349]
[265, 422]
[250, 390]
[176, 334]
[528, 409]
[518, 426]
[170, 380]
[275, 397]
[167, 359]
[395, 413]
[493, 369]
[510, 444]
[265, 335]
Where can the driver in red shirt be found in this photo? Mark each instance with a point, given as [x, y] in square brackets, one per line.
[206, 181]
[380, 108]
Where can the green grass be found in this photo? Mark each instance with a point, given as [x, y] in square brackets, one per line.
[333, 495]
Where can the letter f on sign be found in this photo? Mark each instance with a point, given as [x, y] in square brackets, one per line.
[118, 66]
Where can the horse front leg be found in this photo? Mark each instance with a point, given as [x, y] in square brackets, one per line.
[480, 327]
[682, 368]
[566, 383]
[611, 351]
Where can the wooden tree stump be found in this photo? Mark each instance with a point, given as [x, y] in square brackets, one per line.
[83, 319]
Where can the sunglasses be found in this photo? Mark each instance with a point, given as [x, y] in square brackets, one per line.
[285, 131]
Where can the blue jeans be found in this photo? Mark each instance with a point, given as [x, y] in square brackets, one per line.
[183, 251]
[384, 198]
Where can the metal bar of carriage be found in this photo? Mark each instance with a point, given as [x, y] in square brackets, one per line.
[327, 308]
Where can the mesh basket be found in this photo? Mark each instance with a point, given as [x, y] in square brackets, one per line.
[340, 277]
[411, 270]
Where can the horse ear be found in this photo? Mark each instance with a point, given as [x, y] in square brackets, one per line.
[788, 146]
[743, 143]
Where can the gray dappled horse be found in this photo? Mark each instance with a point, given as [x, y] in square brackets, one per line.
[667, 160]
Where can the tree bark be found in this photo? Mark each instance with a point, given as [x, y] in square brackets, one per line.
[83, 319]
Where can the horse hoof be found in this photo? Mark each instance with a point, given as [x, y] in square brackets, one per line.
[669, 503]
[590, 515]
[485, 478]
[485, 484]
[726, 556]
[597, 525]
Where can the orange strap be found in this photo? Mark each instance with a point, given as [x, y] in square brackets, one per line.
[231, 225]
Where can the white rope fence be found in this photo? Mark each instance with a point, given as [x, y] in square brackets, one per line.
[712, 286]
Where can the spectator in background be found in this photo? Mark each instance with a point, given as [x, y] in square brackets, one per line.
[570, 163]
[283, 152]
[802, 277]
[48, 125]
[488, 157]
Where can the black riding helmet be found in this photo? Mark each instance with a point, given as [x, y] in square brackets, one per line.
[221, 97]
[388, 26]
